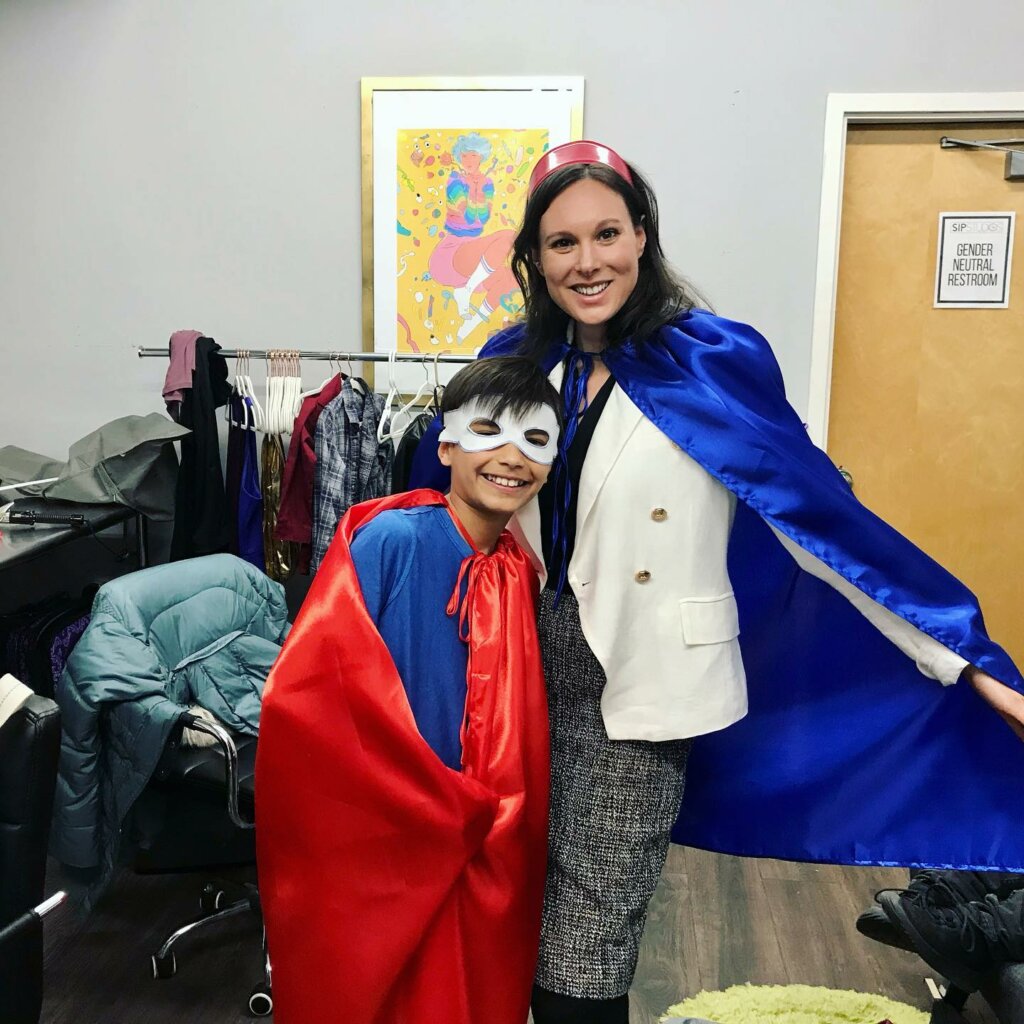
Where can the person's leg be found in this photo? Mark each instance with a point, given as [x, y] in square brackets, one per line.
[468, 253]
[501, 283]
[554, 1008]
[613, 804]
[499, 246]
[482, 261]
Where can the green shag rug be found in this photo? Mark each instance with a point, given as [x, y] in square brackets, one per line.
[795, 1004]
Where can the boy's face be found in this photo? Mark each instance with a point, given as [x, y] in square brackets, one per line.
[501, 478]
[494, 483]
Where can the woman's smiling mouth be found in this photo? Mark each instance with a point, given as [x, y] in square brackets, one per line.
[590, 290]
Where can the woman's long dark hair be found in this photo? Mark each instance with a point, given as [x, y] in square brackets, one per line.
[660, 294]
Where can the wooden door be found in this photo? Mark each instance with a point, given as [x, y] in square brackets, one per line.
[927, 405]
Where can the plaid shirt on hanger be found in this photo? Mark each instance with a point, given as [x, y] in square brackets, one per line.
[350, 464]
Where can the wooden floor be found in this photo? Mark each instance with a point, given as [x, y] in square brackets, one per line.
[715, 921]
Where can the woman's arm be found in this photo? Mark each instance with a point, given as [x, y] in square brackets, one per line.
[1006, 701]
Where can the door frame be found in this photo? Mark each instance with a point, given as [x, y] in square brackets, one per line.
[842, 111]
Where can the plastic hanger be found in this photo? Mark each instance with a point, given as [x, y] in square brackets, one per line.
[405, 411]
[277, 421]
[235, 393]
[292, 391]
[248, 418]
[254, 410]
[382, 433]
[316, 391]
[268, 395]
[435, 398]
[29, 483]
[354, 381]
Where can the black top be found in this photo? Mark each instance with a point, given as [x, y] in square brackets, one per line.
[200, 501]
[577, 454]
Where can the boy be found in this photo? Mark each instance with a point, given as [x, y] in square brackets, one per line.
[403, 759]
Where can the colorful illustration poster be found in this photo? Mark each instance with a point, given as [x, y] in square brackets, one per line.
[460, 198]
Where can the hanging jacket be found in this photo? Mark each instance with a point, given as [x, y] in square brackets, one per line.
[279, 556]
[181, 368]
[351, 465]
[295, 516]
[200, 505]
[233, 467]
[249, 513]
[411, 437]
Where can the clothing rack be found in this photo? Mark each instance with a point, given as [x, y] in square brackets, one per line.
[341, 357]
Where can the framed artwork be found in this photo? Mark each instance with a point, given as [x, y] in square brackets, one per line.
[445, 165]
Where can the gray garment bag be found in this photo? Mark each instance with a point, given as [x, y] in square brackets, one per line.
[128, 461]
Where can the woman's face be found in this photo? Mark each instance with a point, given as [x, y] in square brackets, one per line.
[590, 251]
[470, 161]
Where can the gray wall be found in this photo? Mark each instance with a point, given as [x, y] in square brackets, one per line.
[170, 164]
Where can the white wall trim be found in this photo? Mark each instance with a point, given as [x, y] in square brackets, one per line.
[843, 110]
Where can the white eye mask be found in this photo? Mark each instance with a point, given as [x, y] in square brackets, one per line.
[459, 429]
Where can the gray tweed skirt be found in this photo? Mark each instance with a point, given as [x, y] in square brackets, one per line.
[613, 804]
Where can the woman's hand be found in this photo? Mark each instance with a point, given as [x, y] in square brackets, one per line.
[1009, 703]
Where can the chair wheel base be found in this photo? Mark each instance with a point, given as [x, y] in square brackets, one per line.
[164, 966]
[261, 1002]
[212, 899]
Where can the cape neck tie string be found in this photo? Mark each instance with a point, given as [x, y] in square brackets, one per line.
[574, 390]
[461, 604]
[464, 606]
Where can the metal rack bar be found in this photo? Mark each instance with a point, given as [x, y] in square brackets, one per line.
[345, 357]
[946, 142]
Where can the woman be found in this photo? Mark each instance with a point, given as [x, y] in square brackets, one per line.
[672, 414]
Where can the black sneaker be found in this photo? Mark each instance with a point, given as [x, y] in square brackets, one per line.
[947, 888]
[947, 938]
[876, 925]
[952, 887]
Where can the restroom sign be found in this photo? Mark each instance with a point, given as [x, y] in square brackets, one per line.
[973, 265]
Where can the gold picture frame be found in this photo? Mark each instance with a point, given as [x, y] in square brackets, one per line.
[511, 119]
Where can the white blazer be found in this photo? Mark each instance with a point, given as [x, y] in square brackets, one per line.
[649, 572]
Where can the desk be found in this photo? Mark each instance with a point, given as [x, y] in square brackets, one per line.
[22, 543]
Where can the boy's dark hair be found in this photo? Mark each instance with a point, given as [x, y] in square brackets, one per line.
[515, 382]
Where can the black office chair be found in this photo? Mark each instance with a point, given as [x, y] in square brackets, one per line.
[29, 747]
[189, 792]
[209, 628]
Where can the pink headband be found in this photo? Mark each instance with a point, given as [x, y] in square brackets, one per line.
[582, 152]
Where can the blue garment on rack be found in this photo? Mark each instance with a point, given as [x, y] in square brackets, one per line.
[233, 466]
[250, 501]
[848, 754]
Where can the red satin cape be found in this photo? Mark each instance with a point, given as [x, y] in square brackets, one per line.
[393, 888]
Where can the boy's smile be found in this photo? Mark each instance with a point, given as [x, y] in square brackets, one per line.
[505, 483]
[489, 487]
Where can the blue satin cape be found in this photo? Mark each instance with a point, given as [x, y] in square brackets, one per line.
[848, 754]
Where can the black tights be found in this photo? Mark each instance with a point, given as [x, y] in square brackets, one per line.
[553, 1008]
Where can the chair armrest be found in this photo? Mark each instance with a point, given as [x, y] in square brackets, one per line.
[230, 751]
[30, 916]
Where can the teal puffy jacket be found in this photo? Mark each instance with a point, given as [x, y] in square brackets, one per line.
[201, 631]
